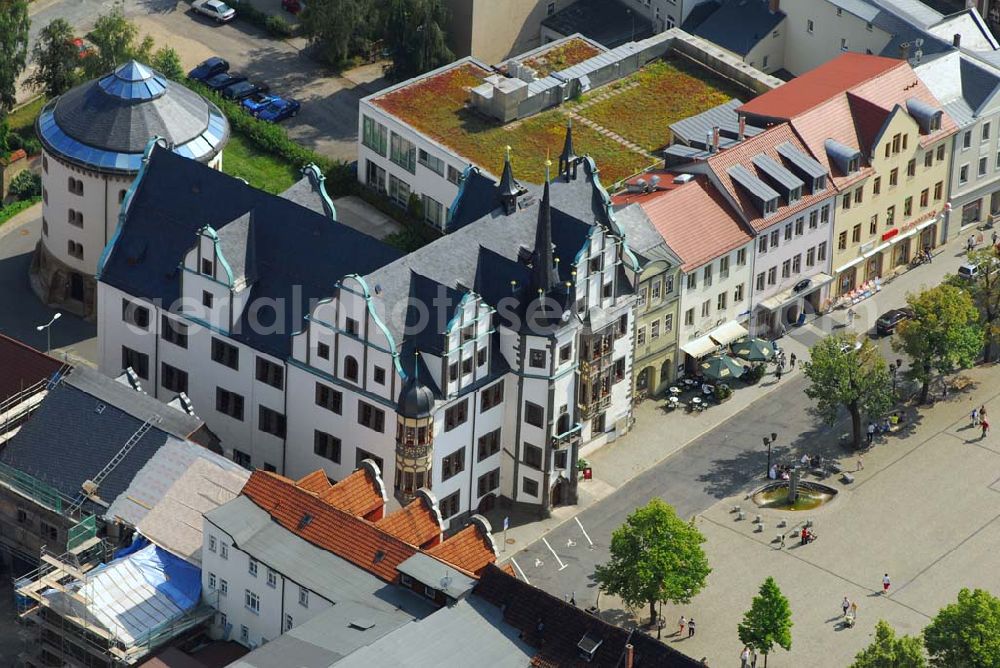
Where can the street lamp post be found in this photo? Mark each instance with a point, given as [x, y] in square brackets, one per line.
[769, 441]
[48, 331]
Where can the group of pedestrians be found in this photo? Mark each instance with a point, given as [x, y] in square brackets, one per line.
[780, 361]
[686, 624]
[978, 419]
[748, 657]
[850, 609]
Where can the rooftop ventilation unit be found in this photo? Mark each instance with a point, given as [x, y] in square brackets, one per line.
[683, 178]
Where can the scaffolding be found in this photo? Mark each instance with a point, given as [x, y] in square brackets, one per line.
[56, 598]
[15, 409]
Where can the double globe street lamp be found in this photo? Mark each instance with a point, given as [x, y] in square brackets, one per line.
[768, 442]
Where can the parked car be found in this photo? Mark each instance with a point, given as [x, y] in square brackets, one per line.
[293, 6]
[209, 68]
[255, 102]
[847, 347]
[223, 79]
[887, 322]
[214, 9]
[242, 89]
[278, 109]
[969, 272]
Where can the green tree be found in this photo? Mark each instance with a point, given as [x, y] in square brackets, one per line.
[56, 59]
[168, 63]
[655, 557]
[14, 25]
[966, 633]
[841, 374]
[115, 38]
[414, 34]
[768, 622]
[891, 651]
[985, 292]
[943, 335]
[338, 28]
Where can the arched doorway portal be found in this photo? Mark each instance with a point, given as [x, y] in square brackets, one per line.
[559, 492]
[487, 503]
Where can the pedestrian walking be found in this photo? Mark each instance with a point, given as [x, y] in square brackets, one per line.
[745, 657]
[871, 432]
[982, 412]
[777, 372]
[861, 464]
[974, 417]
[854, 610]
[971, 243]
[690, 627]
[851, 314]
[994, 237]
[986, 428]
[792, 362]
[845, 605]
[753, 657]
[885, 584]
[683, 625]
[928, 254]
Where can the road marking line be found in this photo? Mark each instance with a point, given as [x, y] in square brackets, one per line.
[561, 564]
[523, 576]
[583, 530]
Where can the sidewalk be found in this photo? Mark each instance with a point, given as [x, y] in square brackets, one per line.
[657, 434]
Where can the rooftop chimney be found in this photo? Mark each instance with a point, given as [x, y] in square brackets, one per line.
[629, 649]
[708, 142]
[956, 40]
[715, 139]
[904, 51]
[774, 6]
[743, 128]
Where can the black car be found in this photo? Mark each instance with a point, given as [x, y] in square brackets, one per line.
[224, 79]
[208, 68]
[242, 89]
[886, 324]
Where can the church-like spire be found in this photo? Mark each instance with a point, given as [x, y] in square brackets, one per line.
[509, 187]
[543, 264]
[567, 158]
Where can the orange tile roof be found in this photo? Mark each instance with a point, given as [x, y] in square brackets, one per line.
[742, 154]
[694, 220]
[819, 84]
[314, 482]
[471, 549]
[359, 494]
[330, 528]
[417, 523]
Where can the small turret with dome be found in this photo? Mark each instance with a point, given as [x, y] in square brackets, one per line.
[414, 436]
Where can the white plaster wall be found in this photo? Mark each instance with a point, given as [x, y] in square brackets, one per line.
[694, 298]
[805, 50]
[786, 250]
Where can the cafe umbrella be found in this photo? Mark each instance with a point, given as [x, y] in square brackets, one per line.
[720, 367]
[753, 350]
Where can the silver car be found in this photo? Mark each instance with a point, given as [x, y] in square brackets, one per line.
[215, 9]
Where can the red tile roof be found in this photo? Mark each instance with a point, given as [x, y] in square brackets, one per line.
[314, 482]
[330, 528]
[694, 220]
[22, 366]
[818, 85]
[742, 154]
[418, 523]
[365, 543]
[471, 549]
[359, 494]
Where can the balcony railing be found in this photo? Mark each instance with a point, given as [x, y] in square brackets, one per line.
[571, 437]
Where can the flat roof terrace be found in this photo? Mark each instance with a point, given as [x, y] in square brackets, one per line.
[622, 125]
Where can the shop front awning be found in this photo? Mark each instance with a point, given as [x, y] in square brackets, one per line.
[926, 223]
[698, 348]
[784, 297]
[728, 333]
[877, 250]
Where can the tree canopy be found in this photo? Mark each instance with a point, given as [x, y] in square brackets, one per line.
[339, 28]
[966, 633]
[985, 293]
[166, 61]
[943, 335]
[768, 622]
[655, 557]
[115, 38]
[888, 650]
[415, 36]
[14, 24]
[56, 59]
[842, 374]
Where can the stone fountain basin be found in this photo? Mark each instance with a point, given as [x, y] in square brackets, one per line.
[773, 495]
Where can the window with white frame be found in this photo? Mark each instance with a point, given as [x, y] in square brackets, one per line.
[289, 622]
[303, 597]
[252, 566]
[223, 587]
[252, 601]
[224, 551]
[211, 581]
[272, 579]
[244, 634]
[212, 543]
[403, 153]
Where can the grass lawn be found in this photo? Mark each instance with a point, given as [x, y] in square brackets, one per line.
[436, 107]
[14, 208]
[668, 91]
[261, 170]
[24, 117]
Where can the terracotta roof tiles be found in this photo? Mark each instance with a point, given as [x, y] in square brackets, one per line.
[359, 494]
[417, 523]
[471, 549]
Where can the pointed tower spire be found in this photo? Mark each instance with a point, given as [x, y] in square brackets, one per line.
[509, 187]
[567, 158]
[543, 264]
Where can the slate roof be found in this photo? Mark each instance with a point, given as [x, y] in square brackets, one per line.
[694, 220]
[22, 366]
[601, 21]
[106, 123]
[478, 196]
[753, 18]
[524, 606]
[294, 246]
[82, 424]
[963, 86]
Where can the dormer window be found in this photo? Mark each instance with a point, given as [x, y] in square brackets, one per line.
[854, 165]
[819, 184]
[794, 195]
[935, 122]
[771, 206]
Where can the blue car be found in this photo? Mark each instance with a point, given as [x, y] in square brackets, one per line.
[208, 68]
[254, 103]
[278, 109]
